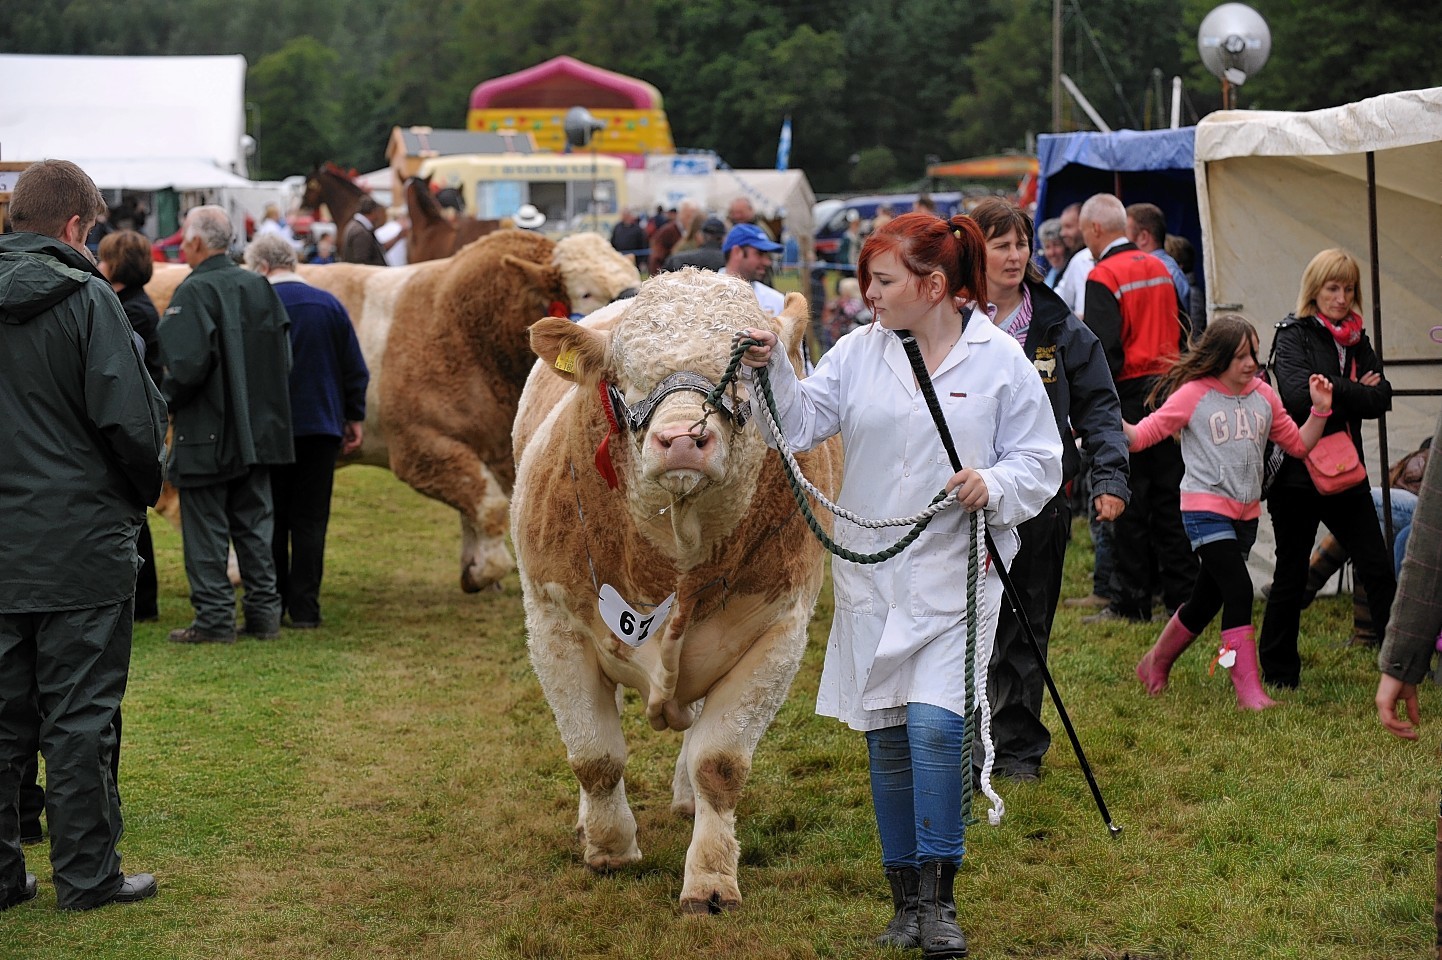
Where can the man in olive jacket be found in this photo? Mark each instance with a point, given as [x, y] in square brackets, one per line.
[225, 344]
[84, 433]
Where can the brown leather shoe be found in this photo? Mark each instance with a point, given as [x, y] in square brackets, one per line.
[1089, 602]
[193, 635]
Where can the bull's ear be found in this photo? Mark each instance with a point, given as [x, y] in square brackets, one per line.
[543, 276]
[794, 319]
[570, 350]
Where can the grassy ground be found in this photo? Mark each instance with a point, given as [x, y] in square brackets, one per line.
[392, 786]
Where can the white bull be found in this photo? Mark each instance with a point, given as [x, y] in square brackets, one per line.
[701, 516]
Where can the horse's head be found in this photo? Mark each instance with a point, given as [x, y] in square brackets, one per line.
[421, 204]
[313, 196]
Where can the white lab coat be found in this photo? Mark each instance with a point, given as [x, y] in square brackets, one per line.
[899, 632]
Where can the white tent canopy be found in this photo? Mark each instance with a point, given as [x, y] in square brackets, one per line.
[138, 123]
[1274, 189]
[771, 192]
[159, 173]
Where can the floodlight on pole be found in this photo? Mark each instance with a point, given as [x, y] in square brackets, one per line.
[1234, 42]
[580, 126]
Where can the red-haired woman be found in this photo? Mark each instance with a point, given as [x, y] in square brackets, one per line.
[896, 662]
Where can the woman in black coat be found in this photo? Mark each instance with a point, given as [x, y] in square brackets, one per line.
[1324, 336]
[125, 260]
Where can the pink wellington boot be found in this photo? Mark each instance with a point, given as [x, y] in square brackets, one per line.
[1156, 666]
[1239, 644]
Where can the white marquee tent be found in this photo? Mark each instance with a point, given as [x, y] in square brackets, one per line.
[136, 123]
[1275, 188]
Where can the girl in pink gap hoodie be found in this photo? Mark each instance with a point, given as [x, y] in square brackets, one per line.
[1224, 415]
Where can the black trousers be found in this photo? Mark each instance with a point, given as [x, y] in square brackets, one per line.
[1149, 545]
[146, 588]
[1350, 516]
[62, 677]
[1014, 684]
[302, 493]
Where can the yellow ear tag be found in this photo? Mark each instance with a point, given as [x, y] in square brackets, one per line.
[566, 361]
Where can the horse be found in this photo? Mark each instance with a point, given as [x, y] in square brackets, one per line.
[432, 235]
[331, 185]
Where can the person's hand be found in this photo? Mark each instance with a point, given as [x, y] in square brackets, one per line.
[352, 437]
[1108, 507]
[1130, 431]
[971, 489]
[1370, 379]
[758, 356]
[1390, 690]
[1320, 387]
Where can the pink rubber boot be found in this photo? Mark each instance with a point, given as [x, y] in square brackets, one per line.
[1241, 641]
[1156, 666]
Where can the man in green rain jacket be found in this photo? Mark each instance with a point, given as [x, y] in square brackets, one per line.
[84, 430]
[225, 344]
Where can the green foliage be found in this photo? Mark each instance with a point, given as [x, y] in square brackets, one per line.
[915, 77]
[1011, 96]
[297, 116]
[875, 168]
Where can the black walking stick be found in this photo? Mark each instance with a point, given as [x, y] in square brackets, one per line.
[918, 367]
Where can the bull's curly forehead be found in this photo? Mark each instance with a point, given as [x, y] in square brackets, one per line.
[684, 321]
[592, 268]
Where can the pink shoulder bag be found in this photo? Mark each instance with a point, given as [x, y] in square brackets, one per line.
[1334, 465]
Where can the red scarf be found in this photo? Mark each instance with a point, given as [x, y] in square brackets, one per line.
[1346, 332]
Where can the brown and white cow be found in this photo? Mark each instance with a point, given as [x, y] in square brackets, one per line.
[448, 349]
[709, 570]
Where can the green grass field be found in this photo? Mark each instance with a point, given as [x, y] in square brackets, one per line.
[392, 786]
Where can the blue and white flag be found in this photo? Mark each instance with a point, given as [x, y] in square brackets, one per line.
[783, 146]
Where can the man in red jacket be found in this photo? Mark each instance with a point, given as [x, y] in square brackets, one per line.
[1132, 307]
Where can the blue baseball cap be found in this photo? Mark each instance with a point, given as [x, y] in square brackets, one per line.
[749, 235]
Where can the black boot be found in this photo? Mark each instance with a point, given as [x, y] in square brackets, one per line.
[936, 909]
[902, 930]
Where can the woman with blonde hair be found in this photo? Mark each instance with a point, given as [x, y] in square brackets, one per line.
[1324, 336]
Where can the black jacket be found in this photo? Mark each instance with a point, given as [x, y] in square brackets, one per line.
[83, 429]
[1304, 347]
[144, 320]
[1078, 382]
[226, 347]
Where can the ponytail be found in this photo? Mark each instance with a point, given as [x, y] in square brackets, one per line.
[970, 257]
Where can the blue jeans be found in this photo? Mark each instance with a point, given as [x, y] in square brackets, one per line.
[1204, 527]
[1403, 503]
[916, 772]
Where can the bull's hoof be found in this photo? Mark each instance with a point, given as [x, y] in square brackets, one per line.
[716, 903]
[473, 584]
[598, 862]
[486, 572]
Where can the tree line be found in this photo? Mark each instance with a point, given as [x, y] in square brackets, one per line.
[874, 87]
